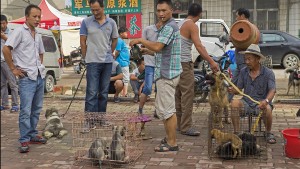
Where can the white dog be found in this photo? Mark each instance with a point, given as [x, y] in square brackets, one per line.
[54, 126]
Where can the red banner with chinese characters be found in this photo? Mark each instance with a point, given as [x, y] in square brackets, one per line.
[134, 25]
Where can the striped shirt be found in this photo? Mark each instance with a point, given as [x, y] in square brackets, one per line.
[167, 61]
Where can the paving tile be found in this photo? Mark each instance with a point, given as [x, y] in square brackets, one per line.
[193, 150]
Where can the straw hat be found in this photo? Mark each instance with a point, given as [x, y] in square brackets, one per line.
[254, 49]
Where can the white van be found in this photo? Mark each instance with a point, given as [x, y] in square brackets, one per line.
[51, 57]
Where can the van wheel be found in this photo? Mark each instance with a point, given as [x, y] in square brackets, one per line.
[49, 83]
[132, 66]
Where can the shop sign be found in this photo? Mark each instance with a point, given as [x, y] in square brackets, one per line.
[82, 7]
[134, 25]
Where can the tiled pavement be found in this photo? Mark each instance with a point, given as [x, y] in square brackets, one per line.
[193, 150]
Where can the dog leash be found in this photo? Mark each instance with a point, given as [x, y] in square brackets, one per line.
[63, 115]
[243, 94]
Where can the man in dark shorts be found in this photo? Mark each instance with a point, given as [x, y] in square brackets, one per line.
[116, 84]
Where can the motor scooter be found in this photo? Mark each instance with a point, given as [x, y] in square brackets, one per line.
[77, 60]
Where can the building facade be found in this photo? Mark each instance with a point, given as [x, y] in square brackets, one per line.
[281, 15]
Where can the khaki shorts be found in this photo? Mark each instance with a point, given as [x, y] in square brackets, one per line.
[125, 71]
[165, 97]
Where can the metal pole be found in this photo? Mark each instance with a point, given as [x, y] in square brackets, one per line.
[63, 115]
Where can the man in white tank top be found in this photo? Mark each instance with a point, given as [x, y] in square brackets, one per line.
[185, 90]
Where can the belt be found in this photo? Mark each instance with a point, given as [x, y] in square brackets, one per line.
[25, 74]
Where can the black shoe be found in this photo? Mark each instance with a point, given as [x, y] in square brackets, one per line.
[136, 98]
[117, 99]
[155, 115]
[191, 132]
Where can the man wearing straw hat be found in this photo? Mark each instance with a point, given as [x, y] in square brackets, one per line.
[258, 82]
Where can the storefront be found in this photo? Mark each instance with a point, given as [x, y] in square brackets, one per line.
[126, 13]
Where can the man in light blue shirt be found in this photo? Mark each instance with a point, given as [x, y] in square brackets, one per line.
[28, 49]
[98, 40]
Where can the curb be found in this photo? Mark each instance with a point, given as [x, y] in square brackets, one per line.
[289, 101]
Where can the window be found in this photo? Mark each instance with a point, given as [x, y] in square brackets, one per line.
[267, 15]
[249, 4]
[119, 19]
[181, 7]
[272, 38]
[212, 30]
[49, 44]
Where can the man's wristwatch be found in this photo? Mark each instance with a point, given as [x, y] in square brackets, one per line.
[267, 100]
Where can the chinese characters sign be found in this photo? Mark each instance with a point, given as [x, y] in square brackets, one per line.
[134, 25]
[82, 7]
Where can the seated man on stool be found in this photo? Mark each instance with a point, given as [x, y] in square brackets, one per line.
[137, 79]
[116, 84]
[258, 82]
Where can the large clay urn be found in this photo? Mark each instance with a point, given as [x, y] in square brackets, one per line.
[243, 33]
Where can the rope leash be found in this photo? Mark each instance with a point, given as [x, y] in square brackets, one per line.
[243, 94]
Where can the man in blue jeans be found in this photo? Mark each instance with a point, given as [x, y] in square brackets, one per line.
[28, 49]
[150, 33]
[98, 39]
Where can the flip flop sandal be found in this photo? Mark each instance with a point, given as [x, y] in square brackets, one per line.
[165, 148]
[270, 138]
[164, 140]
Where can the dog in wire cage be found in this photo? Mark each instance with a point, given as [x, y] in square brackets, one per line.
[249, 147]
[221, 138]
[117, 146]
[99, 151]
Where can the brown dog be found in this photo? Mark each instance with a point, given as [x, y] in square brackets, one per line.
[221, 138]
[218, 100]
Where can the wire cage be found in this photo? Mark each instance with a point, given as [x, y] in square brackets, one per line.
[106, 139]
[248, 139]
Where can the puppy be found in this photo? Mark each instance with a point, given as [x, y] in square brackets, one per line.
[99, 150]
[54, 126]
[218, 100]
[236, 142]
[117, 147]
[294, 78]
